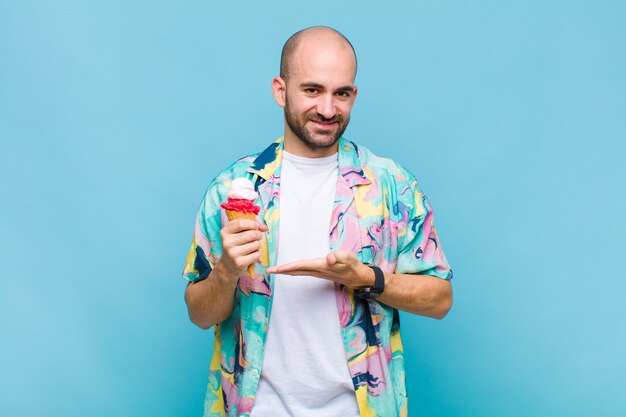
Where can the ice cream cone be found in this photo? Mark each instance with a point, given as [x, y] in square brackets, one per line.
[236, 215]
[240, 204]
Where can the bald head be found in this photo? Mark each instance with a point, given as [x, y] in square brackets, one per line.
[317, 36]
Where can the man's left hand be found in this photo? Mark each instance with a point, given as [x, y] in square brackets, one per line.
[343, 267]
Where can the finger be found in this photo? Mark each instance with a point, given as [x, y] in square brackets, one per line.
[345, 257]
[234, 254]
[241, 263]
[241, 238]
[250, 258]
[310, 264]
[331, 259]
[246, 249]
[278, 269]
[262, 227]
[305, 272]
[239, 225]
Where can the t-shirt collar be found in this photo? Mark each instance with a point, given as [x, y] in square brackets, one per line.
[349, 161]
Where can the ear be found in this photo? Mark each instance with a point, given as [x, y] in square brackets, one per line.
[279, 90]
[356, 91]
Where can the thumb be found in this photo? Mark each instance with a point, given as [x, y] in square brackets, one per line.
[331, 259]
[344, 257]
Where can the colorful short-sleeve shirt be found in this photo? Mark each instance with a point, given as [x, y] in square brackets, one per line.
[381, 215]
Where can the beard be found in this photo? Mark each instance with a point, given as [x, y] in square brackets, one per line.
[311, 137]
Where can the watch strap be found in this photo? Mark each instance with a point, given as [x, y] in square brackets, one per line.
[378, 288]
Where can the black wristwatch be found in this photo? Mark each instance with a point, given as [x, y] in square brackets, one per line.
[371, 293]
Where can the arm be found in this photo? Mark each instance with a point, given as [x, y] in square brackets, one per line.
[210, 301]
[425, 295]
[418, 294]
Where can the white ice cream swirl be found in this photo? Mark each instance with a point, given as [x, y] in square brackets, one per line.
[242, 188]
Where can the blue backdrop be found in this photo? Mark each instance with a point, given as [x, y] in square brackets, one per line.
[114, 116]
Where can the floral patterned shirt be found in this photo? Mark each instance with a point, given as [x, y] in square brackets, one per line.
[381, 215]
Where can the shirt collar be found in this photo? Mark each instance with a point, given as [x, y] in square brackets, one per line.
[349, 161]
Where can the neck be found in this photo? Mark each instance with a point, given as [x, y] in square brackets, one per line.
[295, 146]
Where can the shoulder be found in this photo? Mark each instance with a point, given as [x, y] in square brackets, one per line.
[398, 185]
[382, 168]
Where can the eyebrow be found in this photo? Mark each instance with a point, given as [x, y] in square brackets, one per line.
[309, 84]
[347, 89]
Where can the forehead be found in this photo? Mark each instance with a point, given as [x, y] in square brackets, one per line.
[323, 60]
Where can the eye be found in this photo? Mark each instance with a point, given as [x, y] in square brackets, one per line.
[344, 94]
[311, 90]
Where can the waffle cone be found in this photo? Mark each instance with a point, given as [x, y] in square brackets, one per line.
[236, 215]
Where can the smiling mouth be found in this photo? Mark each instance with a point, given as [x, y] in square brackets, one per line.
[324, 124]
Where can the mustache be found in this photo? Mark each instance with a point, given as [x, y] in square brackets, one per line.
[319, 118]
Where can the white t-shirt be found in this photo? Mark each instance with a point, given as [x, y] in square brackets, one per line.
[305, 372]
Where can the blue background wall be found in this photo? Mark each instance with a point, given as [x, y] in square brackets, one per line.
[114, 116]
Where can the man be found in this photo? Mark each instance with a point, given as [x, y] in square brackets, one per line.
[315, 332]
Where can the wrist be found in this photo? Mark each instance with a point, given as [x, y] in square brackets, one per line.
[374, 290]
[366, 277]
[224, 273]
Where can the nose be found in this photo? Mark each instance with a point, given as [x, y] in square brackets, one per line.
[326, 106]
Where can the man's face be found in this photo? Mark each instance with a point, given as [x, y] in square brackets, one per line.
[319, 95]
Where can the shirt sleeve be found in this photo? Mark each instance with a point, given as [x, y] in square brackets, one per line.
[206, 244]
[420, 251]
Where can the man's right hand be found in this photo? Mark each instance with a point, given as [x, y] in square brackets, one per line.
[207, 302]
[241, 245]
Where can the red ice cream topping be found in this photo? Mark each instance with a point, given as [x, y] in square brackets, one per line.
[240, 204]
